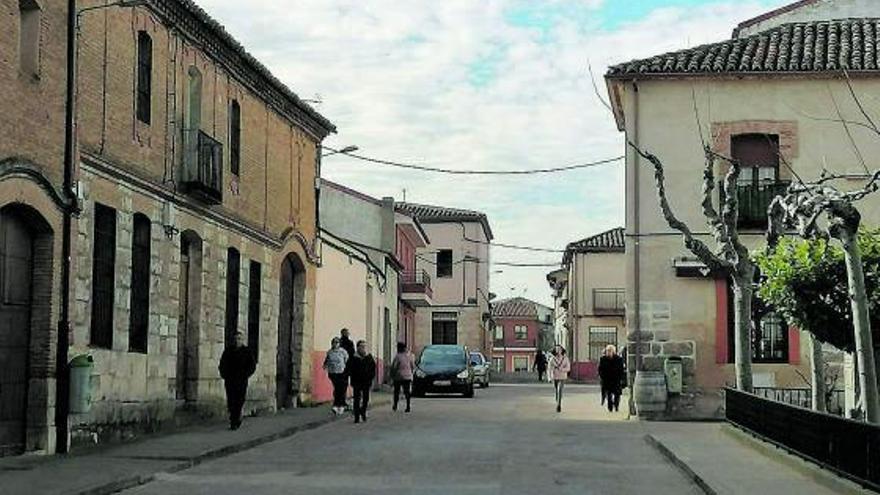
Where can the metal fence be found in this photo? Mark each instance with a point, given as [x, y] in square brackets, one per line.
[802, 397]
[609, 301]
[847, 447]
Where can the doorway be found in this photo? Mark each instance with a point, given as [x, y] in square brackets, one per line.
[290, 328]
[188, 316]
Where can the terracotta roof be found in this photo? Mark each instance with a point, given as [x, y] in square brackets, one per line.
[441, 214]
[188, 17]
[610, 241]
[516, 307]
[817, 46]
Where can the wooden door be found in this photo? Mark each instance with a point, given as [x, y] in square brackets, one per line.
[284, 371]
[16, 278]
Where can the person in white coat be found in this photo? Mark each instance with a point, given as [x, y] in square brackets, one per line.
[560, 366]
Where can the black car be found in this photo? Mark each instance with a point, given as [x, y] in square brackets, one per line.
[444, 369]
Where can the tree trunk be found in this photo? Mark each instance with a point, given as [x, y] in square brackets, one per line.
[867, 372]
[742, 304]
[817, 368]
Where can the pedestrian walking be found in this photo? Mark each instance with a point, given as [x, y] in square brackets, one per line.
[611, 375]
[559, 368]
[335, 363]
[540, 364]
[362, 369]
[346, 343]
[237, 364]
[402, 374]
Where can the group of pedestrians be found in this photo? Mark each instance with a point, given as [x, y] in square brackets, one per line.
[612, 374]
[349, 364]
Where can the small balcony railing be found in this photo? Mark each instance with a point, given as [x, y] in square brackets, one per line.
[609, 301]
[754, 199]
[417, 281]
[203, 168]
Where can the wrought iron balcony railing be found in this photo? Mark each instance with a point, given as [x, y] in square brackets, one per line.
[416, 281]
[203, 167]
[609, 301]
[754, 199]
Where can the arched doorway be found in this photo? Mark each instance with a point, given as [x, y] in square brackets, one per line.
[290, 330]
[25, 249]
[188, 316]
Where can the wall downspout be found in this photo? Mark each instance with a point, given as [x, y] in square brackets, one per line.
[637, 292]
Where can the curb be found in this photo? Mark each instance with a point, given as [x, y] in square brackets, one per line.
[227, 450]
[680, 464]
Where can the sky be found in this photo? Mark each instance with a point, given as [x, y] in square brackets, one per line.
[477, 84]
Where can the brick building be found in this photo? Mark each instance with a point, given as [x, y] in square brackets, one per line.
[522, 327]
[194, 216]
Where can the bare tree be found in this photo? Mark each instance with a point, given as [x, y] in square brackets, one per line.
[804, 207]
[730, 256]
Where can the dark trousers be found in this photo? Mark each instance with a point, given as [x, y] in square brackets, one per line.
[612, 396]
[406, 385]
[340, 386]
[236, 391]
[541, 373]
[361, 401]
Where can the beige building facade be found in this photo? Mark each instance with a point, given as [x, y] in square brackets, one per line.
[194, 216]
[762, 95]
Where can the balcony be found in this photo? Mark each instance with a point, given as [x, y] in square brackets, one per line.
[415, 288]
[203, 168]
[754, 198]
[609, 301]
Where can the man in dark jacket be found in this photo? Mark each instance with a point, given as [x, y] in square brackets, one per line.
[611, 373]
[237, 364]
[540, 364]
[362, 368]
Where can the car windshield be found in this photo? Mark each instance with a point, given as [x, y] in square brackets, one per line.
[442, 355]
[476, 358]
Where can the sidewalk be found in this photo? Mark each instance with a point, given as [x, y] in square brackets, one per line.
[723, 460]
[120, 466]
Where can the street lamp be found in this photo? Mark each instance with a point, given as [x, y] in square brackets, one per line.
[62, 384]
[344, 151]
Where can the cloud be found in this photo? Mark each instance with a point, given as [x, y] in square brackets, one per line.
[494, 84]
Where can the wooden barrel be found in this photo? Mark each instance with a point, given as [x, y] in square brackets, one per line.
[649, 392]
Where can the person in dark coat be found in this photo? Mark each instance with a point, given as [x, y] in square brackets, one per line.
[362, 369]
[346, 343]
[611, 374]
[237, 364]
[540, 364]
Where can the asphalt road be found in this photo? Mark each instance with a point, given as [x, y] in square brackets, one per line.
[508, 440]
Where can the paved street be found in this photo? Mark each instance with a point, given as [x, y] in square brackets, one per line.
[506, 440]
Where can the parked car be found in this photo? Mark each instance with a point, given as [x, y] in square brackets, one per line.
[444, 369]
[481, 369]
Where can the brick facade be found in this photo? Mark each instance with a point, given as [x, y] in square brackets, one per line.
[268, 212]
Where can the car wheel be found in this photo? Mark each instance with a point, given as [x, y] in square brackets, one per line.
[418, 392]
[469, 393]
[484, 384]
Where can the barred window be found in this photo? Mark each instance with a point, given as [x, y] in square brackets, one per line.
[254, 293]
[233, 277]
[103, 276]
[139, 317]
[600, 338]
[144, 76]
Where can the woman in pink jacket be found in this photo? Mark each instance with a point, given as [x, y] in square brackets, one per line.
[559, 368]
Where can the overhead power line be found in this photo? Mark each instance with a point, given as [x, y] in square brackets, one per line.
[438, 170]
[515, 246]
[497, 263]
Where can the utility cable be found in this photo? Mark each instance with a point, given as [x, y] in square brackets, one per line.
[477, 172]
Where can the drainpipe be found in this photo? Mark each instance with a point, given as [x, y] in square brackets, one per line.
[637, 289]
[62, 404]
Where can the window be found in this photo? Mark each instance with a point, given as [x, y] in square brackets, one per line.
[144, 77]
[600, 337]
[254, 292]
[194, 107]
[444, 263]
[444, 328]
[29, 37]
[499, 333]
[139, 316]
[498, 364]
[770, 337]
[234, 137]
[758, 182]
[233, 277]
[103, 276]
[520, 363]
[520, 332]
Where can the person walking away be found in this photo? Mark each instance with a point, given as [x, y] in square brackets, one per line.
[402, 373]
[611, 375]
[362, 368]
[559, 369]
[335, 363]
[346, 343]
[540, 364]
[237, 364]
